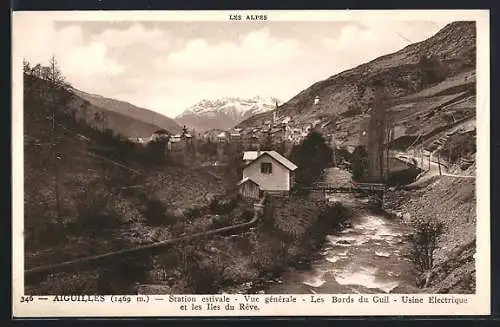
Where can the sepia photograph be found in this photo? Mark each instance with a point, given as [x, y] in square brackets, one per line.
[248, 155]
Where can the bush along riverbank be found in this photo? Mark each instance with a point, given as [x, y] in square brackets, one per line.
[290, 232]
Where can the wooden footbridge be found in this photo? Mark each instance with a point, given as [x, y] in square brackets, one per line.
[375, 190]
[347, 188]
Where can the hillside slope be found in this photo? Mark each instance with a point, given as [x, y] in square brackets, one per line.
[93, 214]
[223, 113]
[144, 117]
[426, 84]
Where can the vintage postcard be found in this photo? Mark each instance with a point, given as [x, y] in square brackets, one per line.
[251, 163]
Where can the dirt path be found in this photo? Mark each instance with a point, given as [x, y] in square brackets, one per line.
[431, 169]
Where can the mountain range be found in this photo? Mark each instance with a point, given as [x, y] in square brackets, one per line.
[224, 113]
[128, 119]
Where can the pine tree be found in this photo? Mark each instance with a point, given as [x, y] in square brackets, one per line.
[56, 82]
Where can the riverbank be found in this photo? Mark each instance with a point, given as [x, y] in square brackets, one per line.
[364, 256]
[290, 233]
[452, 202]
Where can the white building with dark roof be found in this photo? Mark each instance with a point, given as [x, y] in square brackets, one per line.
[269, 170]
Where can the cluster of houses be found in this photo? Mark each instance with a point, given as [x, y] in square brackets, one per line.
[281, 129]
[173, 140]
[179, 147]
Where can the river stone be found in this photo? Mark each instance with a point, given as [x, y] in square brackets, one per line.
[343, 242]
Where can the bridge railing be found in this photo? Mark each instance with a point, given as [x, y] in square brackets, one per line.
[371, 186]
[353, 186]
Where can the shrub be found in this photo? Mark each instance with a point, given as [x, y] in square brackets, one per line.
[203, 272]
[194, 212]
[178, 228]
[119, 277]
[95, 209]
[222, 221]
[432, 70]
[47, 234]
[359, 160]
[155, 213]
[41, 223]
[269, 256]
[247, 215]
[82, 283]
[333, 217]
[219, 207]
[424, 241]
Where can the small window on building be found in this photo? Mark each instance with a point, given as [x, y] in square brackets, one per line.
[266, 167]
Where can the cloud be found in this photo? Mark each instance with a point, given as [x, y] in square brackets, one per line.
[257, 51]
[87, 64]
[135, 35]
[359, 43]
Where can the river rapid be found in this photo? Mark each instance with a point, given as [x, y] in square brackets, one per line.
[367, 257]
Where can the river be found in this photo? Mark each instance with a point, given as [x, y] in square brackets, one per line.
[364, 258]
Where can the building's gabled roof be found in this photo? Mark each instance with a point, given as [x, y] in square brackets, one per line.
[253, 155]
[246, 179]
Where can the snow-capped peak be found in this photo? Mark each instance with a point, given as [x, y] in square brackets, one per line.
[232, 106]
[225, 112]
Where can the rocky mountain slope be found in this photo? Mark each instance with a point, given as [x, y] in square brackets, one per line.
[454, 270]
[426, 84]
[224, 113]
[143, 121]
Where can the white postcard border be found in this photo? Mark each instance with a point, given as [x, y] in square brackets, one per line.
[478, 304]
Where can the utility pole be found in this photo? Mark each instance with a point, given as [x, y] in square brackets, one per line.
[387, 148]
[422, 155]
[439, 162]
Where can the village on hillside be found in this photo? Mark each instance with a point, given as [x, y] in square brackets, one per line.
[280, 130]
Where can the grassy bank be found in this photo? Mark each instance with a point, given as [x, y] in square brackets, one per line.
[292, 229]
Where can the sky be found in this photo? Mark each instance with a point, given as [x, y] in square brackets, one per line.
[170, 66]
